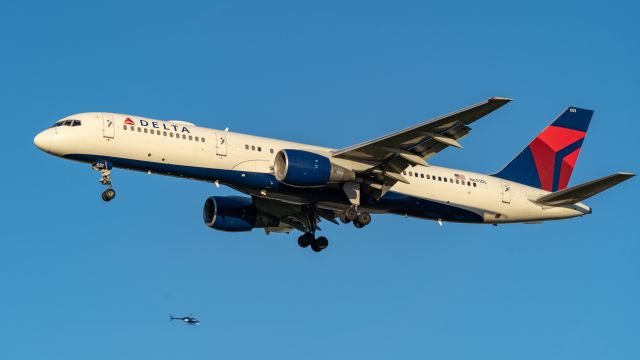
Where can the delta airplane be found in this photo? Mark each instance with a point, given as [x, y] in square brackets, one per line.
[293, 186]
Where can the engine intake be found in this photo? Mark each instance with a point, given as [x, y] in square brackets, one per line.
[235, 213]
[306, 169]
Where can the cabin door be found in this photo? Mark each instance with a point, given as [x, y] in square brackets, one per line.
[221, 143]
[108, 127]
[506, 192]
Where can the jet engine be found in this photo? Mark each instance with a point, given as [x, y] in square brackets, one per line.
[235, 213]
[306, 169]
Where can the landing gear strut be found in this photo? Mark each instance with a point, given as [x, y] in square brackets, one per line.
[105, 179]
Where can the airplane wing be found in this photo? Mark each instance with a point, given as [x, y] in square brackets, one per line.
[584, 191]
[392, 154]
[425, 139]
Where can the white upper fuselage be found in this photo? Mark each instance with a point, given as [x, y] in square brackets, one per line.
[245, 162]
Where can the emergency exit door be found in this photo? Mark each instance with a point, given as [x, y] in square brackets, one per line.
[221, 143]
[506, 192]
[108, 127]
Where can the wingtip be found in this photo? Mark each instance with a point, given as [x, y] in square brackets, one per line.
[498, 98]
[627, 174]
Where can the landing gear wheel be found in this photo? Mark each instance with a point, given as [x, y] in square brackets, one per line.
[319, 244]
[322, 242]
[351, 213]
[358, 225]
[305, 240]
[343, 219]
[108, 195]
[364, 218]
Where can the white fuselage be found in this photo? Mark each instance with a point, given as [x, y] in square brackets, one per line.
[245, 162]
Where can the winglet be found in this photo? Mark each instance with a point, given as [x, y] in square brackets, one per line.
[584, 191]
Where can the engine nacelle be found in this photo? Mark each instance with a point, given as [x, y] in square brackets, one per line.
[235, 213]
[306, 169]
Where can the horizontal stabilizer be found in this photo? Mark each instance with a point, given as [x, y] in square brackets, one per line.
[584, 191]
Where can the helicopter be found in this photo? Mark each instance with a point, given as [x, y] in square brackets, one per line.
[189, 320]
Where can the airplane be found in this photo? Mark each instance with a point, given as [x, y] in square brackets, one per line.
[189, 320]
[293, 186]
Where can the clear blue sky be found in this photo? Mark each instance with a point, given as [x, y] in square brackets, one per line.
[81, 279]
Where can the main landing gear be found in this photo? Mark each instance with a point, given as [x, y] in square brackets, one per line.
[309, 239]
[359, 219]
[105, 179]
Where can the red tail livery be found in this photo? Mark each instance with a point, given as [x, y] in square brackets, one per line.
[548, 161]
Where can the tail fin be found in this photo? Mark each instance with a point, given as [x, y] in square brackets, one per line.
[548, 161]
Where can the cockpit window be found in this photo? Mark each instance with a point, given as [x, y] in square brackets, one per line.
[67, 123]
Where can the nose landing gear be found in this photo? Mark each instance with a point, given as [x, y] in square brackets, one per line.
[105, 179]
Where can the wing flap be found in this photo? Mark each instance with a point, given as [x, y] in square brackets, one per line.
[584, 191]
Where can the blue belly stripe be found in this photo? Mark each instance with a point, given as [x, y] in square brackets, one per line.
[392, 202]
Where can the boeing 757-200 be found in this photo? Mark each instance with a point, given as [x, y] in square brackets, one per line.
[292, 186]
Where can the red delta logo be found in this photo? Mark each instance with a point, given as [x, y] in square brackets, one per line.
[128, 121]
[555, 152]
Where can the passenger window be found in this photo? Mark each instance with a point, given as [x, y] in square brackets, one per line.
[202, 139]
[197, 138]
[474, 184]
[76, 123]
[151, 131]
[246, 147]
[439, 178]
[253, 147]
[146, 130]
[133, 128]
[164, 133]
[139, 129]
[468, 183]
[457, 181]
[184, 137]
[259, 148]
[170, 134]
[427, 176]
[404, 173]
[416, 174]
[190, 137]
[124, 127]
[451, 181]
[422, 176]
[271, 151]
[410, 173]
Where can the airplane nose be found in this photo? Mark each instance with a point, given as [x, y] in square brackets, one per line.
[43, 140]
